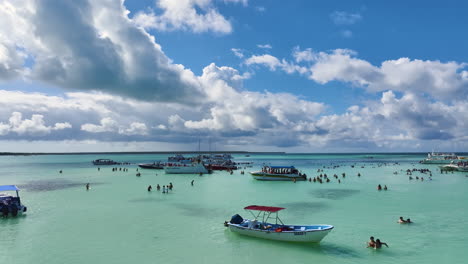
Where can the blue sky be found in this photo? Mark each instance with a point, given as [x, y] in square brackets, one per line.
[301, 76]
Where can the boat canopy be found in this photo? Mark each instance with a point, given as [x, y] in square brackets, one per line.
[271, 209]
[8, 188]
[282, 167]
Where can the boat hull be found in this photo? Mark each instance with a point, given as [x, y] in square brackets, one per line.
[305, 236]
[186, 170]
[263, 176]
[151, 166]
[428, 161]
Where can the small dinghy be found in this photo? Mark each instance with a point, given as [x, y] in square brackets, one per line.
[260, 227]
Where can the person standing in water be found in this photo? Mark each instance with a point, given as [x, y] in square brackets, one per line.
[371, 243]
[192, 182]
[378, 244]
[150, 188]
[87, 186]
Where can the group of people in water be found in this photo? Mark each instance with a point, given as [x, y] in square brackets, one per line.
[379, 187]
[324, 177]
[165, 189]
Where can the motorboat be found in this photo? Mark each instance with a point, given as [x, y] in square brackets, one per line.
[10, 205]
[183, 168]
[278, 173]
[154, 165]
[105, 162]
[460, 166]
[441, 158]
[261, 228]
[179, 158]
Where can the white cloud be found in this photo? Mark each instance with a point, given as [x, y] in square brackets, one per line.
[31, 127]
[441, 80]
[136, 128]
[345, 18]
[106, 125]
[264, 46]
[111, 55]
[238, 53]
[195, 15]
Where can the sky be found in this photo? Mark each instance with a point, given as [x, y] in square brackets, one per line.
[236, 75]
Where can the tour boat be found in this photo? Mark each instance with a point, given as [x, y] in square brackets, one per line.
[460, 166]
[441, 158]
[105, 162]
[154, 165]
[259, 227]
[9, 204]
[278, 173]
[182, 168]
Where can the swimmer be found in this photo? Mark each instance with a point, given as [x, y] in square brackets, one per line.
[408, 221]
[401, 220]
[371, 243]
[378, 244]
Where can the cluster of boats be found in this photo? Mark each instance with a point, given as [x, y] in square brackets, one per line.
[442, 158]
[200, 164]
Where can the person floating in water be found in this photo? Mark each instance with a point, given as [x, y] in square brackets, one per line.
[378, 244]
[371, 242]
[150, 188]
[87, 186]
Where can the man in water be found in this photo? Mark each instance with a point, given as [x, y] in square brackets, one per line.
[371, 243]
[378, 244]
[87, 186]
[192, 182]
[401, 220]
[150, 188]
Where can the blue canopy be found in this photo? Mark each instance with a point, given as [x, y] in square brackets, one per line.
[282, 167]
[8, 188]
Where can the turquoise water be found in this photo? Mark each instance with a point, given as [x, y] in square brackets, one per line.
[118, 221]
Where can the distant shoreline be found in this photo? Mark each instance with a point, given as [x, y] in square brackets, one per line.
[212, 152]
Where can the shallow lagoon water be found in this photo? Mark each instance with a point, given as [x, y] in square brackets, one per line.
[118, 221]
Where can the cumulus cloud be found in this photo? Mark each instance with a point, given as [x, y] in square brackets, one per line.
[194, 15]
[31, 127]
[345, 18]
[89, 45]
[441, 80]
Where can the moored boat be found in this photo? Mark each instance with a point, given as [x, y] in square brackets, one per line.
[182, 168]
[441, 158]
[105, 162]
[278, 173]
[10, 205]
[259, 227]
[154, 165]
[460, 166]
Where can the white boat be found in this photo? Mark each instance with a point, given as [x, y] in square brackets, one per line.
[10, 205]
[441, 158]
[182, 168]
[259, 227]
[460, 166]
[278, 173]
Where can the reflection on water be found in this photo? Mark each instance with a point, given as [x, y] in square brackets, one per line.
[52, 185]
[333, 194]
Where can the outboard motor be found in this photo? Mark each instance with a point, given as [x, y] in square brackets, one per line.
[236, 219]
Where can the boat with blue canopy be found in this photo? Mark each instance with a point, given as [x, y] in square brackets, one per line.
[260, 226]
[10, 205]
